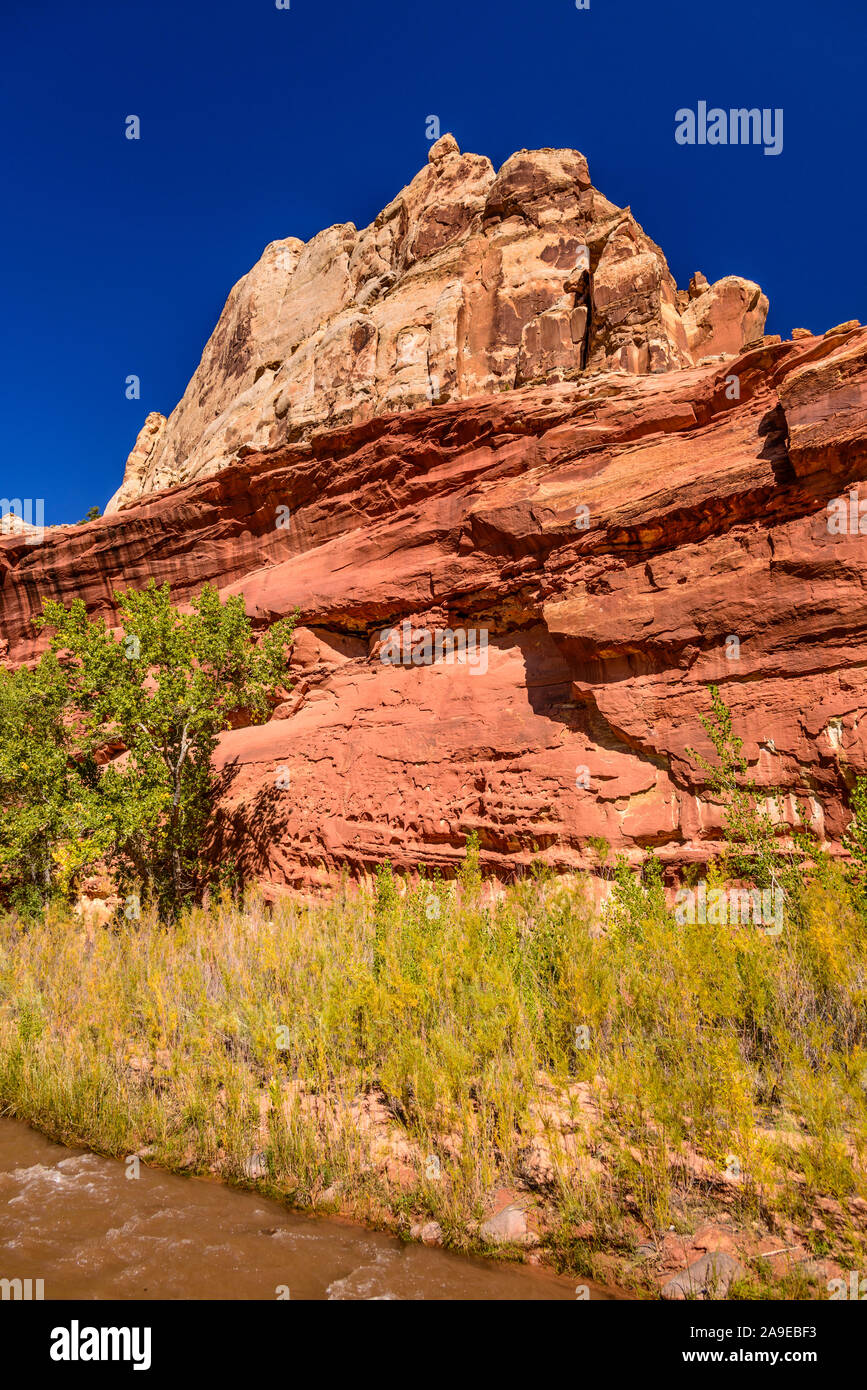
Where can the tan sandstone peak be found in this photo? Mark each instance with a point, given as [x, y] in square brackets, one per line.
[11, 524]
[470, 281]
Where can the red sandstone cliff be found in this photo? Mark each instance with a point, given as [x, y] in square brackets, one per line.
[706, 519]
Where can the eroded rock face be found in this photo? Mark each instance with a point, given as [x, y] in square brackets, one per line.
[724, 317]
[706, 519]
[139, 475]
[471, 281]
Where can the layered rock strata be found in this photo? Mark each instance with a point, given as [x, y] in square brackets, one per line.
[609, 534]
[471, 281]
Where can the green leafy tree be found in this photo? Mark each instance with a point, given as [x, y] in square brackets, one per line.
[752, 846]
[50, 824]
[163, 689]
[855, 839]
[635, 897]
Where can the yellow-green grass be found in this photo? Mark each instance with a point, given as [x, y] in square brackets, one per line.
[727, 1067]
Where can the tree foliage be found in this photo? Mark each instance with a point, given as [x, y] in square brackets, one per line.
[753, 849]
[855, 840]
[48, 816]
[158, 691]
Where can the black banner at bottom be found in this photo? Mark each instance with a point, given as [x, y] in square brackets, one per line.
[83, 1340]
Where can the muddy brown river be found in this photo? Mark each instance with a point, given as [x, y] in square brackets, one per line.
[76, 1221]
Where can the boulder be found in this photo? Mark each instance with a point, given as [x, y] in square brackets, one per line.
[708, 1277]
[508, 1226]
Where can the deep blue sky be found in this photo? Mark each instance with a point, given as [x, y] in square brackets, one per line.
[259, 123]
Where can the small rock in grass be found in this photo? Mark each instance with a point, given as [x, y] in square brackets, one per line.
[255, 1168]
[709, 1277]
[428, 1232]
[510, 1224]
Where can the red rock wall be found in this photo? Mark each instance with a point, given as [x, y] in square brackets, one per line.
[707, 519]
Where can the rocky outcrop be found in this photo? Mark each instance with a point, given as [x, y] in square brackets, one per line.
[471, 281]
[614, 543]
[723, 317]
[139, 476]
[13, 524]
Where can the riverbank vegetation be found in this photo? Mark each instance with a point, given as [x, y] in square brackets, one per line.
[419, 1055]
[615, 1089]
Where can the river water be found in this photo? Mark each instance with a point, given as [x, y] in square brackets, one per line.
[76, 1221]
